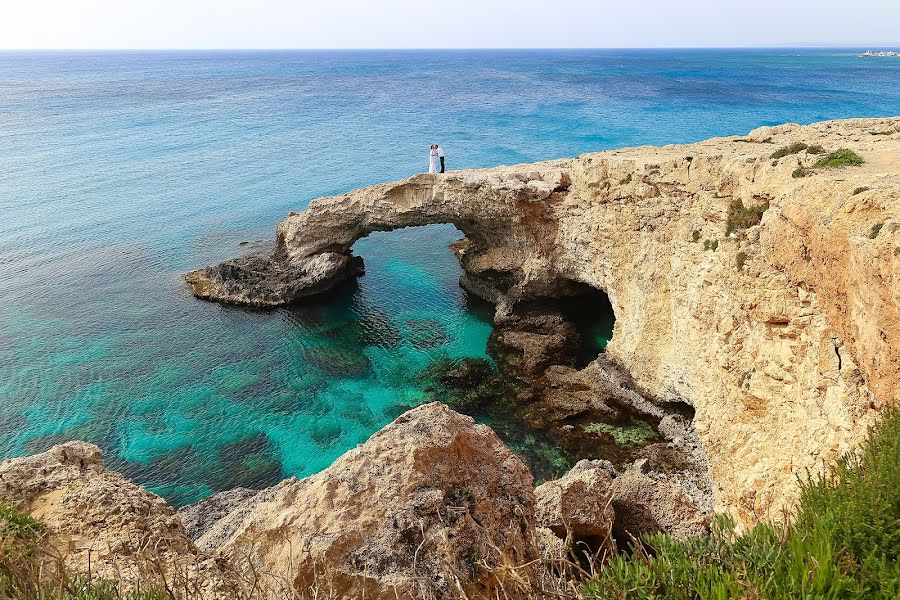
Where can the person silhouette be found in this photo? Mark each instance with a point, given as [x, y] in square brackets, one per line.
[440, 153]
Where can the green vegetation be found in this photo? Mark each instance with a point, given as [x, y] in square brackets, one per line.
[695, 236]
[742, 217]
[794, 148]
[876, 229]
[626, 179]
[839, 158]
[843, 543]
[860, 190]
[632, 433]
[885, 132]
[740, 259]
[800, 172]
[815, 149]
[711, 245]
[29, 570]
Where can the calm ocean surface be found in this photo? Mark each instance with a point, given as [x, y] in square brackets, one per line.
[120, 172]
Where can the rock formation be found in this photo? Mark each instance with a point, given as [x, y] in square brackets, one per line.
[99, 521]
[783, 333]
[430, 506]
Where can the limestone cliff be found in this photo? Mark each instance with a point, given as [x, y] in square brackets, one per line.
[783, 335]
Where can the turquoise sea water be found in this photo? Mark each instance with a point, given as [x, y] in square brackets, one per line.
[120, 172]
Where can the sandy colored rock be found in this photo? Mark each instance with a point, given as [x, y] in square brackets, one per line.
[578, 506]
[423, 509]
[647, 505]
[95, 515]
[786, 358]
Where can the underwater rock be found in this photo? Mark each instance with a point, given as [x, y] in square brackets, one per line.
[426, 507]
[426, 334]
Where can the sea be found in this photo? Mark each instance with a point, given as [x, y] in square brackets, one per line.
[121, 171]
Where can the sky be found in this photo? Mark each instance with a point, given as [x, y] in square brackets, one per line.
[279, 24]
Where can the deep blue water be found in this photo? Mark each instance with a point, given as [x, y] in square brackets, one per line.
[120, 172]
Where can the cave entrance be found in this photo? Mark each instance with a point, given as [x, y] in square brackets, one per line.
[592, 313]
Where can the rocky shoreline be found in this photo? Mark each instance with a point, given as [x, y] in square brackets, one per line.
[755, 283]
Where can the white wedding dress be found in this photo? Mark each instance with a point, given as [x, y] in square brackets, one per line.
[432, 160]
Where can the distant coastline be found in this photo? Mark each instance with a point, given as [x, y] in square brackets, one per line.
[880, 53]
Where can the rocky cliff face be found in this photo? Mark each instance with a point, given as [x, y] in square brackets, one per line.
[783, 333]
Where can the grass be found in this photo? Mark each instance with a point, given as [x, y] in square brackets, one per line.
[839, 158]
[876, 229]
[31, 570]
[843, 543]
[742, 217]
[794, 148]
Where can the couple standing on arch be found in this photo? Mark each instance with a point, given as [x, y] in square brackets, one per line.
[436, 153]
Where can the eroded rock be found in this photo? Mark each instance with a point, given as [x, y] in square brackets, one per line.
[431, 504]
[577, 507]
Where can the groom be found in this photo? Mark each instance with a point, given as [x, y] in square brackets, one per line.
[440, 153]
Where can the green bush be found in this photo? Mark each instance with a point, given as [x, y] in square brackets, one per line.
[860, 190]
[843, 543]
[800, 172]
[711, 245]
[742, 217]
[695, 236]
[876, 229]
[794, 148]
[740, 259]
[839, 158]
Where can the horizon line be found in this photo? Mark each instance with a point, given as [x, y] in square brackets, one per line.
[791, 46]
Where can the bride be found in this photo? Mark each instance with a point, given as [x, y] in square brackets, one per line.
[432, 159]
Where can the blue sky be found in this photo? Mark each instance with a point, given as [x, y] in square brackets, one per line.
[445, 23]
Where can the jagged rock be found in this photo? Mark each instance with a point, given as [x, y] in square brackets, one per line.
[577, 507]
[271, 281]
[424, 508]
[647, 505]
[97, 519]
[752, 331]
[197, 518]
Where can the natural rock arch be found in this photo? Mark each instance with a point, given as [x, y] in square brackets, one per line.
[751, 328]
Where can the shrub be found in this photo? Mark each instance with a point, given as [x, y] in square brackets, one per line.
[843, 543]
[815, 149]
[876, 229]
[711, 245]
[740, 260]
[794, 148]
[742, 217]
[626, 179]
[695, 236]
[800, 172]
[860, 190]
[839, 158]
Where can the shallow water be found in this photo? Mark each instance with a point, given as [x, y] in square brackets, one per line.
[120, 172]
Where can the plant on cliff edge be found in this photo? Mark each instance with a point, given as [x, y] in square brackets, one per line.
[843, 543]
[839, 158]
[742, 217]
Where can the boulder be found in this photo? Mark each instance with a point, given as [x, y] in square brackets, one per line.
[99, 521]
[577, 507]
[644, 504]
[431, 506]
